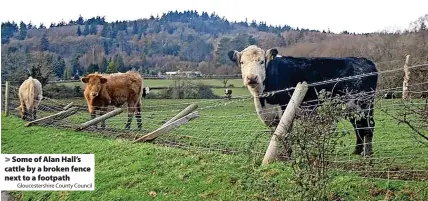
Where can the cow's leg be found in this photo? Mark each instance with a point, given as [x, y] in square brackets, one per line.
[34, 114]
[138, 115]
[27, 114]
[364, 141]
[359, 134]
[364, 129]
[131, 110]
[369, 134]
[103, 111]
[92, 112]
[22, 110]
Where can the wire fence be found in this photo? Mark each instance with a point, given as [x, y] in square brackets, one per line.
[233, 127]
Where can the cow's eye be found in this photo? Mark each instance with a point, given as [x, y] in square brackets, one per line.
[241, 62]
[262, 62]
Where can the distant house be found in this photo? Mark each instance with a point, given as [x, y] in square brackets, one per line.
[188, 74]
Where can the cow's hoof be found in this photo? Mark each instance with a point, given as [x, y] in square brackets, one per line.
[357, 151]
[366, 154]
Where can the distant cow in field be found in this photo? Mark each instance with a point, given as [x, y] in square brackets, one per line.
[262, 71]
[30, 97]
[228, 93]
[146, 92]
[115, 89]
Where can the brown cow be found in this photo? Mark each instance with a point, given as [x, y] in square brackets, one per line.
[30, 96]
[115, 89]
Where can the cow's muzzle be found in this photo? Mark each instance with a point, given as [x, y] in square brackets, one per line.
[252, 80]
[94, 94]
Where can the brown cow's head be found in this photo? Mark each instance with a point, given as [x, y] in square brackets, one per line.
[252, 61]
[93, 83]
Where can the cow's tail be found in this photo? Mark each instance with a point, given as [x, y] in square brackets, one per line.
[140, 97]
[30, 92]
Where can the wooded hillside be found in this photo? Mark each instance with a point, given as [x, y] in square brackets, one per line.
[181, 41]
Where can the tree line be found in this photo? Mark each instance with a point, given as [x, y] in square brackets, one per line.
[175, 40]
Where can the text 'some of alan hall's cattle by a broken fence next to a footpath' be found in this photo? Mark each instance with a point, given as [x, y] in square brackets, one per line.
[52, 172]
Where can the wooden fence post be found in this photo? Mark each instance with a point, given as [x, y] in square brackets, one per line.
[285, 122]
[99, 119]
[55, 117]
[165, 128]
[6, 98]
[406, 79]
[68, 106]
[183, 113]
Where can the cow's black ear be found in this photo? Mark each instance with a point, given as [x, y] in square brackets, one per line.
[271, 54]
[234, 56]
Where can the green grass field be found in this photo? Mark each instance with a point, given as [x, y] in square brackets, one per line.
[239, 90]
[166, 82]
[214, 157]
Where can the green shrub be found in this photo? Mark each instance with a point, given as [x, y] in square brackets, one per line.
[184, 89]
[61, 91]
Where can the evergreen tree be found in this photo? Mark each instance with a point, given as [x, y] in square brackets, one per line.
[93, 29]
[80, 21]
[22, 31]
[59, 66]
[220, 54]
[64, 74]
[92, 68]
[113, 31]
[79, 32]
[135, 28]
[252, 40]
[106, 47]
[75, 65]
[105, 31]
[111, 67]
[103, 66]
[120, 65]
[86, 30]
[29, 25]
[7, 31]
[67, 73]
[44, 42]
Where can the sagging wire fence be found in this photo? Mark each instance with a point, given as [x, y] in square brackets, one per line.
[322, 141]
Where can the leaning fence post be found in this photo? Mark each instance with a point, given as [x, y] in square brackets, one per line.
[55, 117]
[6, 98]
[167, 127]
[99, 119]
[285, 122]
[68, 106]
[183, 113]
[406, 79]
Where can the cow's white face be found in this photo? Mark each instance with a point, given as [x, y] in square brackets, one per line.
[252, 61]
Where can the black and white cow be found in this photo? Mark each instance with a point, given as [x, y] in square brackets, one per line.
[146, 92]
[264, 71]
[228, 93]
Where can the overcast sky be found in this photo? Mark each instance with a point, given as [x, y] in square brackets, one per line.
[338, 15]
